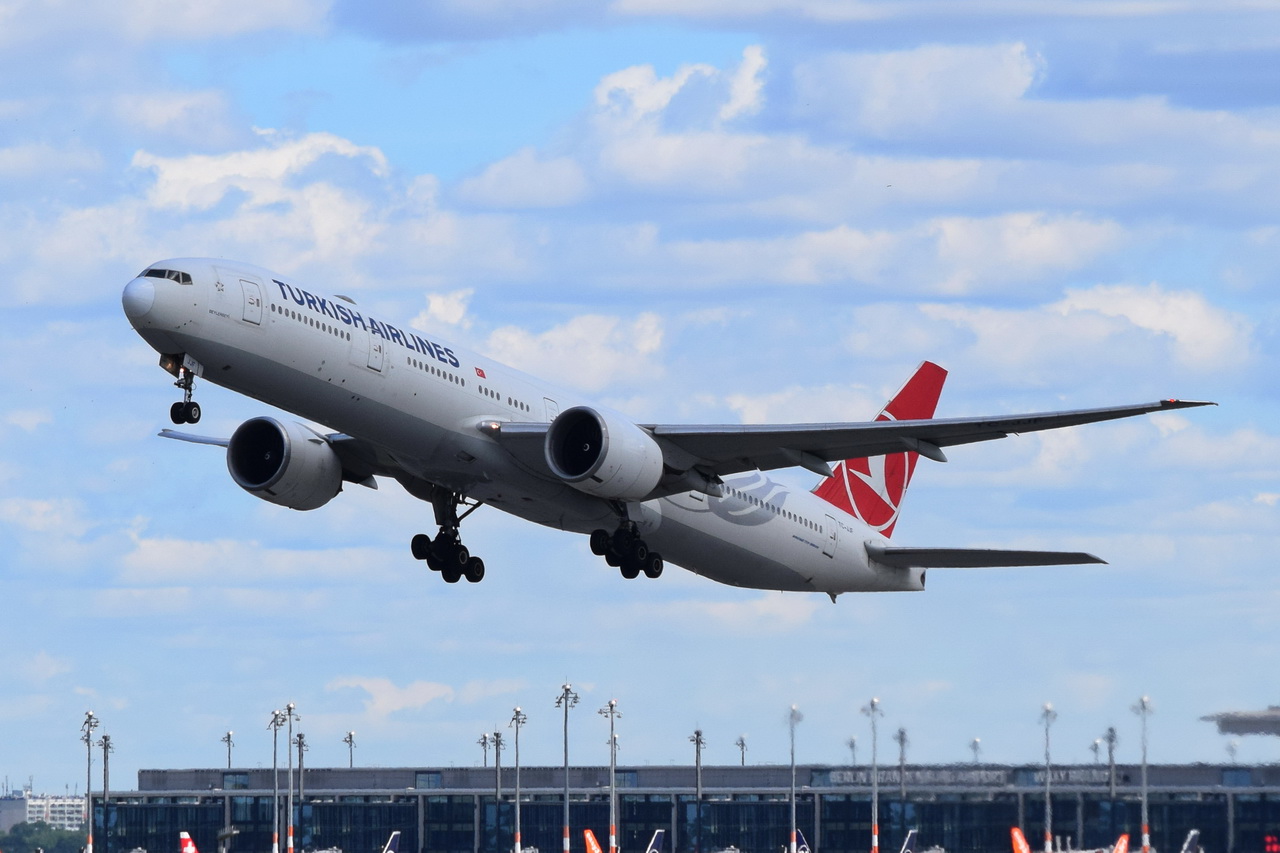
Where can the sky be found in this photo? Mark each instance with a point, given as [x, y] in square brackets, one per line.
[697, 212]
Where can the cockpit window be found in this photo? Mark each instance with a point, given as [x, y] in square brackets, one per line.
[172, 275]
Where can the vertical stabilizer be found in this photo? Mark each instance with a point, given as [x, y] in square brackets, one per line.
[1122, 844]
[185, 844]
[871, 488]
[655, 843]
[393, 843]
[909, 843]
[1020, 844]
[589, 837]
[802, 844]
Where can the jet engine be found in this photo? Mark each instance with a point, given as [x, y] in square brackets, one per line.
[286, 464]
[603, 454]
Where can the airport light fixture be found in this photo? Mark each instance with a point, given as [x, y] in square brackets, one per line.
[793, 719]
[566, 700]
[1048, 715]
[741, 744]
[496, 740]
[290, 716]
[1094, 748]
[518, 719]
[484, 745]
[230, 743]
[872, 709]
[611, 711]
[1111, 740]
[300, 742]
[107, 749]
[277, 721]
[698, 743]
[1143, 709]
[86, 728]
[350, 741]
[976, 746]
[900, 738]
[852, 743]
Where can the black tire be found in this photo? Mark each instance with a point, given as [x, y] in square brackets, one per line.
[599, 542]
[191, 411]
[475, 570]
[653, 567]
[176, 413]
[460, 556]
[451, 574]
[630, 570]
[420, 547]
[639, 552]
[612, 559]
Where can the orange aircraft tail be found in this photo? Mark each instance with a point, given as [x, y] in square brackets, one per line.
[1020, 844]
[593, 846]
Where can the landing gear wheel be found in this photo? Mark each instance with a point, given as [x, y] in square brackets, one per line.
[451, 574]
[653, 566]
[420, 546]
[612, 559]
[630, 570]
[639, 552]
[474, 572]
[191, 411]
[600, 542]
[176, 414]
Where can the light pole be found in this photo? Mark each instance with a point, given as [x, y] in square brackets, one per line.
[518, 719]
[90, 723]
[496, 740]
[105, 743]
[900, 738]
[1143, 709]
[484, 745]
[350, 741]
[976, 746]
[1111, 739]
[1094, 748]
[290, 716]
[1048, 715]
[872, 710]
[277, 720]
[852, 743]
[793, 718]
[566, 700]
[741, 744]
[230, 743]
[611, 711]
[300, 741]
[698, 743]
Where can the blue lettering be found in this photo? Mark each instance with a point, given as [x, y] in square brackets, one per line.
[396, 335]
[343, 314]
[453, 359]
[326, 309]
[376, 328]
[311, 301]
[356, 319]
[425, 346]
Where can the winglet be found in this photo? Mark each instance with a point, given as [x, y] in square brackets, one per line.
[871, 488]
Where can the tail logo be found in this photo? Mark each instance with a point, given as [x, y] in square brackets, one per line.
[875, 486]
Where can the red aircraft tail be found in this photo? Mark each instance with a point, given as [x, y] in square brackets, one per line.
[185, 844]
[871, 488]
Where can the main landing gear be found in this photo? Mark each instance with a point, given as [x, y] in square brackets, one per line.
[446, 554]
[188, 411]
[625, 550]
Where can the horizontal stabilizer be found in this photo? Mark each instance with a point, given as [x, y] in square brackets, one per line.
[972, 558]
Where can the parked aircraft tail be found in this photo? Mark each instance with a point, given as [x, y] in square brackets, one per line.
[802, 845]
[909, 843]
[593, 846]
[871, 488]
[1192, 844]
[185, 844]
[1122, 844]
[1020, 844]
[655, 843]
[393, 843]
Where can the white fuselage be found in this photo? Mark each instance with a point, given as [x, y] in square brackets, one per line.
[421, 401]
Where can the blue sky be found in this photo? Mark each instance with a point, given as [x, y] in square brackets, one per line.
[702, 211]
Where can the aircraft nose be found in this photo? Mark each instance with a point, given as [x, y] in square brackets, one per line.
[139, 296]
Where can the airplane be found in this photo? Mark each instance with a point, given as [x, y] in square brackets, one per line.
[460, 431]
[1020, 844]
[186, 844]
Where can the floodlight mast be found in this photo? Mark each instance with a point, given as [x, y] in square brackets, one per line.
[793, 718]
[872, 709]
[1143, 709]
[900, 738]
[230, 743]
[1048, 715]
[290, 716]
[698, 743]
[350, 741]
[90, 723]
[496, 740]
[277, 720]
[518, 719]
[107, 748]
[566, 700]
[611, 711]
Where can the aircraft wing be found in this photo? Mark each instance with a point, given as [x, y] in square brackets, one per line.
[720, 450]
[973, 558]
[735, 448]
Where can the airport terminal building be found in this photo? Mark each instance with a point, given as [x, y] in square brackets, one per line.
[962, 808]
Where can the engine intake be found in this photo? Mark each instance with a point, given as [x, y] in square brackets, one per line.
[603, 454]
[286, 464]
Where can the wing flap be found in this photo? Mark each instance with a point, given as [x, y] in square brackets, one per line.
[973, 558]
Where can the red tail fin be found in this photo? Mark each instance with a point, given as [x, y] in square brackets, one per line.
[1020, 844]
[871, 489]
[185, 844]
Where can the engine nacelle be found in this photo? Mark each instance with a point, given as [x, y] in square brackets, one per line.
[286, 464]
[603, 454]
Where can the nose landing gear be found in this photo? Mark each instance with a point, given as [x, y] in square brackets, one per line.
[188, 411]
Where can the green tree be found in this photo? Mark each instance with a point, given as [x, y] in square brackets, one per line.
[40, 837]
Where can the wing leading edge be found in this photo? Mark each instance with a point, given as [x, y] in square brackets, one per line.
[973, 558]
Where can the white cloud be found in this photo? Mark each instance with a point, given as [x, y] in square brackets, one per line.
[449, 309]
[62, 516]
[386, 698]
[29, 420]
[590, 352]
[525, 181]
